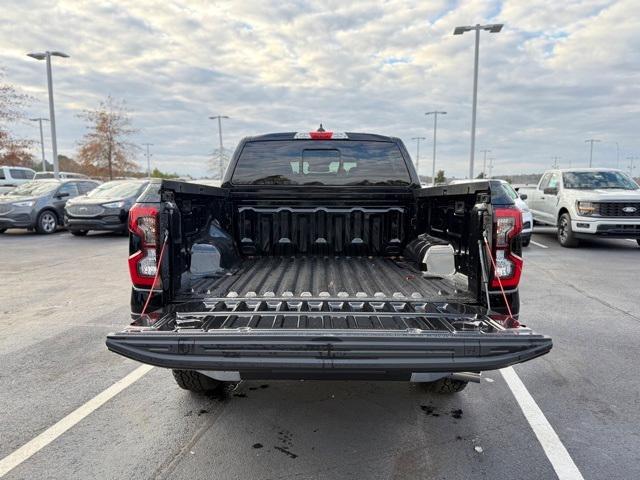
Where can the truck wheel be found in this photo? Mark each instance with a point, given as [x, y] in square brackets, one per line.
[79, 233]
[566, 237]
[47, 222]
[637, 240]
[526, 242]
[195, 381]
[446, 386]
[2, 230]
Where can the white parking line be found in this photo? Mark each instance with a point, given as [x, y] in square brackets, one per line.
[36, 444]
[538, 244]
[554, 449]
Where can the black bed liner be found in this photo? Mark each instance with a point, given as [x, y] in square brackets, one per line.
[331, 276]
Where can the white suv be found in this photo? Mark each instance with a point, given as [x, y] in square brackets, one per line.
[11, 177]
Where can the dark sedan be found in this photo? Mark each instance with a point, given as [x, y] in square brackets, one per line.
[39, 204]
[105, 208]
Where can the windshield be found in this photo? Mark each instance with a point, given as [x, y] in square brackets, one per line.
[595, 180]
[314, 162]
[115, 190]
[34, 189]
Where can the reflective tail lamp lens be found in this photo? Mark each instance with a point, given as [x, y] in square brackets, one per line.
[507, 224]
[143, 264]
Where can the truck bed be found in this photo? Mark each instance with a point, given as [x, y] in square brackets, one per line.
[331, 276]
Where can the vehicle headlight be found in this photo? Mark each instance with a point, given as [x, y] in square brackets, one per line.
[28, 203]
[113, 205]
[585, 208]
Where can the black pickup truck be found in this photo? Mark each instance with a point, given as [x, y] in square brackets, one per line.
[322, 257]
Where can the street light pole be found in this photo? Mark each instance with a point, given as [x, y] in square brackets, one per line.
[631, 165]
[491, 159]
[591, 141]
[484, 163]
[219, 118]
[52, 116]
[417, 139]
[435, 114]
[492, 28]
[39, 120]
[148, 159]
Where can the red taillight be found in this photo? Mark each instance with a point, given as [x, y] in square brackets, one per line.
[143, 264]
[321, 135]
[507, 223]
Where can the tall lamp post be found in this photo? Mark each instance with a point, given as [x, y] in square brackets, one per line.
[491, 159]
[591, 141]
[417, 139]
[631, 165]
[40, 120]
[148, 155]
[435, 114]
[52, 116]
[219, 118]
[484, 163]
[491, 28]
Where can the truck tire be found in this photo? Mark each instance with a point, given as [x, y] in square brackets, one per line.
[566, 237]
[637, 240]
[2, 230]
[446, 386]
[195, 381]
[526, 242]
[47, 222]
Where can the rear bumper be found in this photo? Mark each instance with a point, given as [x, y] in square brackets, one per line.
[339, 354]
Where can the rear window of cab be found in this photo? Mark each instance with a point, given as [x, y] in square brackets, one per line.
[314, 162]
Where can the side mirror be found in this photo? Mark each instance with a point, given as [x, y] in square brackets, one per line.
[62, 194]
[523, 196]
[551, 190]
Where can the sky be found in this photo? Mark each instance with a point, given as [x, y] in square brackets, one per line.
[559, 73]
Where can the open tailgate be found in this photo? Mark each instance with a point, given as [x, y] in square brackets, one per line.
[269, 338]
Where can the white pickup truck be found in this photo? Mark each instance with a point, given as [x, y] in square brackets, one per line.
[587, 202]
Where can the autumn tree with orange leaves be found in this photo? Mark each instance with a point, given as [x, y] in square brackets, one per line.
[105, 150]
[13, 151]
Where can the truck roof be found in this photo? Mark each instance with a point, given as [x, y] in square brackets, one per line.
[372, 137]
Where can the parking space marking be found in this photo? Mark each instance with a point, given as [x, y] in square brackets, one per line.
[538, 244]
[36, 444]
[556, 452]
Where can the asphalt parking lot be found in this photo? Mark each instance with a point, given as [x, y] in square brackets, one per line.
[61, 295]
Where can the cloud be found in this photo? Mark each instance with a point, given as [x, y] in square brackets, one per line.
[557, 74]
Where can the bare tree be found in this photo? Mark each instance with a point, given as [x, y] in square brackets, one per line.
[105, 148]
[13, 150]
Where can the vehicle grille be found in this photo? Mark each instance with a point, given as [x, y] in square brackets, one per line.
[5, 208]
[616, 209]
[85, 210]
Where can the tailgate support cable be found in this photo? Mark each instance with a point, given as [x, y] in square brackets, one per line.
[155, 279]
